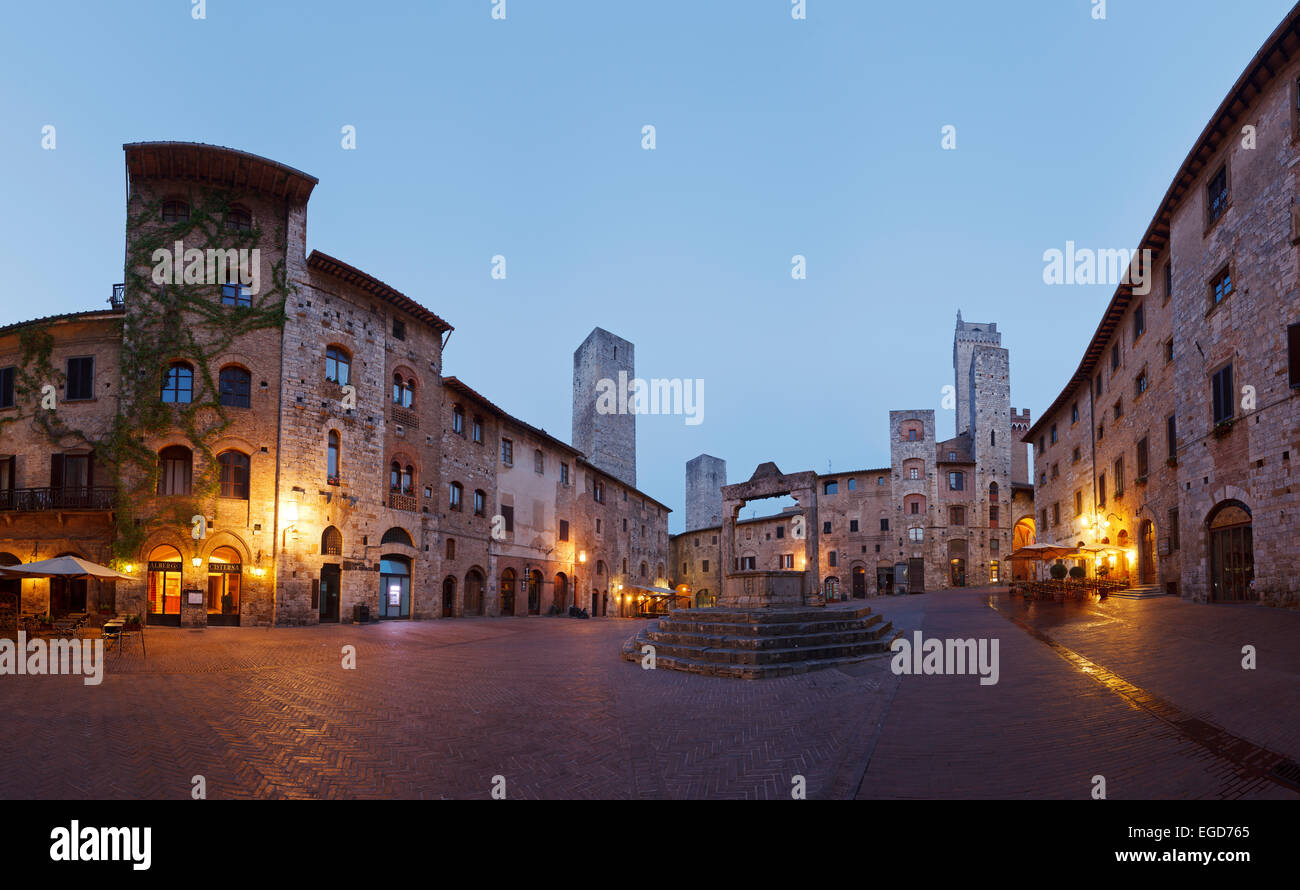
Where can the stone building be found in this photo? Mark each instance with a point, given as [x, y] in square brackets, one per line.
[943, 514]
[265, 435]
[1171, 445]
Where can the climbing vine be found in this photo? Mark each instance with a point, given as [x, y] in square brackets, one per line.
[178, 321]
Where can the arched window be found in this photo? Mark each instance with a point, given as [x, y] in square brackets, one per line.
[397, 535]
[331, 542]
[993, 492]
[401, 479]
[234, 474]
[175, 464]
[338, 365]
[238, 219]
[600, 567]
[236, 386]
[914, 505]
[454, 492]
[913, 468]
[178, 384]
[403, 391]
[174, 211]
[645, 570]
[332, 458]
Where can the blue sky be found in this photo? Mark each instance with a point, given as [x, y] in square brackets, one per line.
[775, 137]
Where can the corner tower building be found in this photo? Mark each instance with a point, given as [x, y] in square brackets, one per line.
[608, 439]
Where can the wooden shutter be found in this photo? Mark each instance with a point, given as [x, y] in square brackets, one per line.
[56, 471]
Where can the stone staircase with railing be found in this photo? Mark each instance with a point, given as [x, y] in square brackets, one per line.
[758, 643]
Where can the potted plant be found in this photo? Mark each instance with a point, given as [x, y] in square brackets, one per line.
[1222, 428]
[1171, 461]
[1077, 573]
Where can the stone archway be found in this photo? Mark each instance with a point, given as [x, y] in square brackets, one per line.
[757, 588]
[1230, 527]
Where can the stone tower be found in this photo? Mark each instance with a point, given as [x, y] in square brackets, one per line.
[705, 476]
[607, 437]
[966, 338]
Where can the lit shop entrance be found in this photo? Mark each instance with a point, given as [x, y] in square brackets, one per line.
[394, 587]
[165, 586]
[224, 577]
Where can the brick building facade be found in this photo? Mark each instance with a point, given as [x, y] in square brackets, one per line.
[1172, 443]
[306, 455]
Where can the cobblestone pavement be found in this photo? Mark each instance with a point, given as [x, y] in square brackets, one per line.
[1121, 689]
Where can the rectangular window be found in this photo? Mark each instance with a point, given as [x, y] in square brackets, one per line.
[564, 529]
[747, 564]
[480, 503]
[956, 515]
[458, 420]
[705, 565]
[780, 532]
[826, 528]
[884, 525]
[8, 480]
[539, 462]
[507, 452]
[1056, 514]
[1053, 434]
[1119, 476]
[1174, 542]
[956, 481]
[598, 491]
[1142, 456]
[1171, 435]
[853, 525]
[564, 473]
[236, 295]
[399, 329]
[1141, 383]
[1221, 394]
[1114, 357]
[831, 487]
[1078, 503]
[1216, 196]
[1139, 322]
[81, 379]
[833, 558]
[1292, 356]
[7, 386]
[1119, 409]
[1169, 279]
[508, 513]
[1101, 490]
[1074, 413]
[1221, 287]
[786, 561]
[478, 431]
[451, 548]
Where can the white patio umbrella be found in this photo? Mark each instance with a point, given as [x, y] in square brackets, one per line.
[63, 567]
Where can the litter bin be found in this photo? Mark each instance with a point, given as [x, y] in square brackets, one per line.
[360, 613]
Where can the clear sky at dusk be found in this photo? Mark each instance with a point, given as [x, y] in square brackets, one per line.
[775, 137]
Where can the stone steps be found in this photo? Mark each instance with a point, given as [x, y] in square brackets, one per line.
[1140, 593]
[753, 644]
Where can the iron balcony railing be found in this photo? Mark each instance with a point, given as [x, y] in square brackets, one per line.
[118, 299]
[33, 500]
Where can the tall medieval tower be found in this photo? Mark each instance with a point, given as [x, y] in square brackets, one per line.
[966, 339]
[607, 439]
[705, 476]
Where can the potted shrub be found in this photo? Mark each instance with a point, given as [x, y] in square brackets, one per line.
[1077, 573]
[1222, 428]
[1058, 571]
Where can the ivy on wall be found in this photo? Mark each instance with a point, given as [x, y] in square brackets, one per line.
[163, 324]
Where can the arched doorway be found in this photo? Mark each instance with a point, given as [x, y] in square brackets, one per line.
[508, 592]
[394, 587]
[1232, 553]
[11, 595]
[534, 592]
[475, 584]
[224, 575]
[1147, 552]
[449, 597]
[164, 586]
[831, 588]
[957, 562]
[1022, 535]
[561, 592]
[859, 582]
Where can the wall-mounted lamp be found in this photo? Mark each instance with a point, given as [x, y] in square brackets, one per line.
[197, 562]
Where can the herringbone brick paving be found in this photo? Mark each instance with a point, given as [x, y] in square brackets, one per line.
[436, 709]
